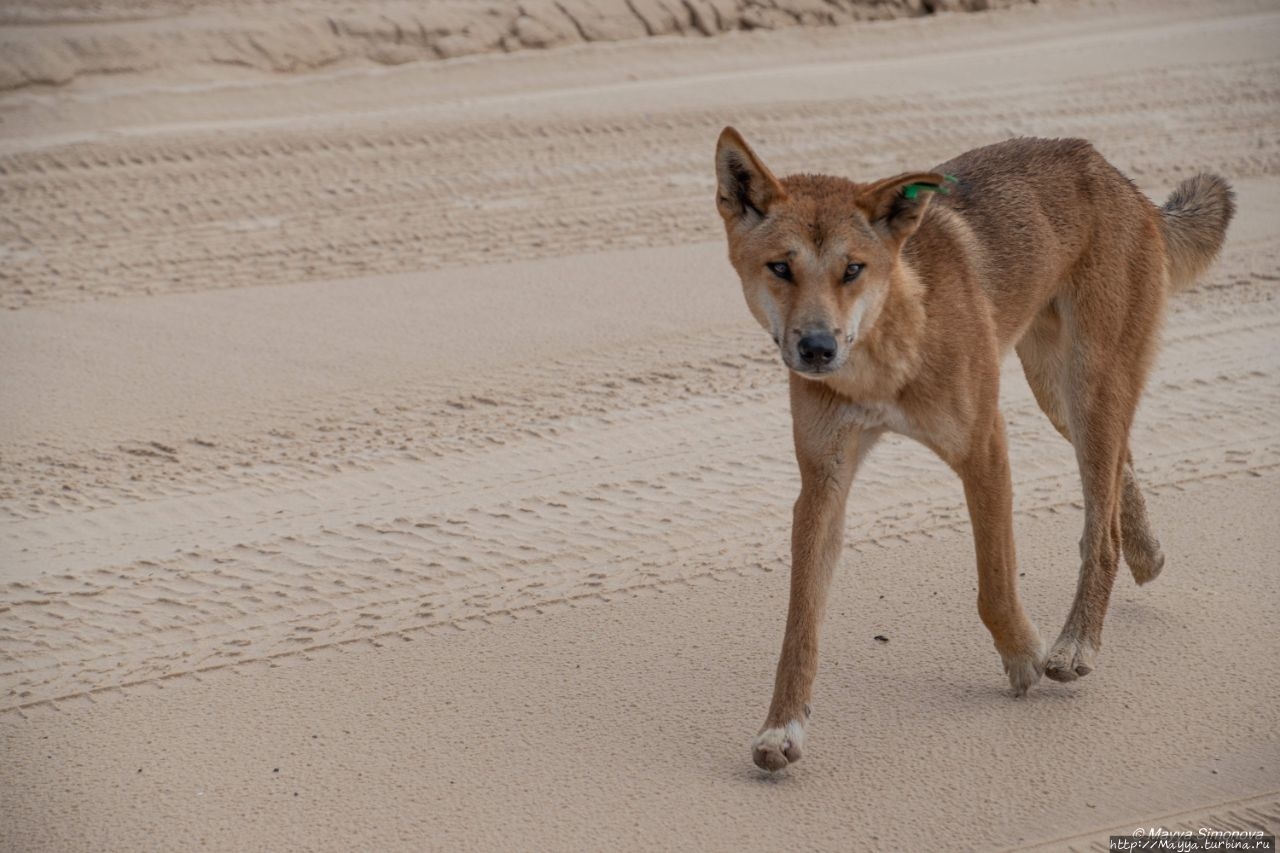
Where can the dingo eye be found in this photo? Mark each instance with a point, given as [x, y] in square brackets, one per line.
[781, 269]
[851, 272]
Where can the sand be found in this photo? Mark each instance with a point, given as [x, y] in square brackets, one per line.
[52, 42]
[388, 461]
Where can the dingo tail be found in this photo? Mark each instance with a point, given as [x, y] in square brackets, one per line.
[1194, 224]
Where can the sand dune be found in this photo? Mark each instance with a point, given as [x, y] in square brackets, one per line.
[179, 36]
[387, 459]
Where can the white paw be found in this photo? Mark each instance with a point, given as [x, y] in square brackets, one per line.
[1024, 670]
[774, 749]
[1070, 658]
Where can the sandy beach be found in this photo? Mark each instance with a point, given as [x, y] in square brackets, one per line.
[388, 460]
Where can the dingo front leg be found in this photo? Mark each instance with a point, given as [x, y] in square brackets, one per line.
[829, 446]
[988, 489]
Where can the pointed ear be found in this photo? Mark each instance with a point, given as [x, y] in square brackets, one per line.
[746, 188]
[895, 205]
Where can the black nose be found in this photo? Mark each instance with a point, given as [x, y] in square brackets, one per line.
[817, 350]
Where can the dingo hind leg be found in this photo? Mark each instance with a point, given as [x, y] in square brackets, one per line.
[1110, 312]
[1043, 351]
[1141, 547]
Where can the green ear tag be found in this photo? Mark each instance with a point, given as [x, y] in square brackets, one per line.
[912, 190]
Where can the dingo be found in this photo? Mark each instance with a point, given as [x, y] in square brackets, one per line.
[892, 304]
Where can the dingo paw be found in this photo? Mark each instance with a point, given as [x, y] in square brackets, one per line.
[775, 748]
[1070, 658]
[1024, 670]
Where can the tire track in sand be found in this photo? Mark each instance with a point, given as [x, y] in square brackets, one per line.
[209, 581]
[180, 211]
[288, 442]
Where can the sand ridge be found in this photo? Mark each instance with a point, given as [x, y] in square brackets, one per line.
[432, 382]
[226, 204]
[54, 43]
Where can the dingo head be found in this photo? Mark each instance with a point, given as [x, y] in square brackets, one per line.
[817, 255]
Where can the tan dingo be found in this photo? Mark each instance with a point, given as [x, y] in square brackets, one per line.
[892, 304]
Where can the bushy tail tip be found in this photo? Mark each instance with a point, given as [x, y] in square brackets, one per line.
[1194, 223]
